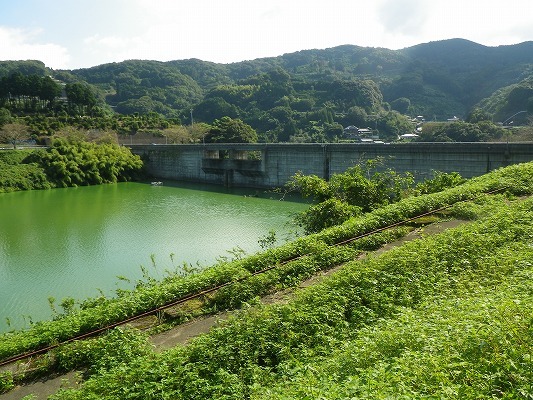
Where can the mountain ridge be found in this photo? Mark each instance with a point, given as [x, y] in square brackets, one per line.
[345, 84]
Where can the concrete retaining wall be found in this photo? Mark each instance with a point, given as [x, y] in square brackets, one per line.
[271, 165]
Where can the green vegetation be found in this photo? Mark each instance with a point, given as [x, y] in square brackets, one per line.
[227, 130]
[16, 175]
[282, 339]
[85, 163]
[482, 131]
[444, 317]
[35, 93]
[447, 317]
[66, 163]
[307, 96]
[358, 190]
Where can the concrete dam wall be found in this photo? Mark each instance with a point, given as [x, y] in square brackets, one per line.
[271, 165]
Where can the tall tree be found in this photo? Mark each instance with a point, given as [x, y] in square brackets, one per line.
[49, 90]
[5, 116]
[13, 133]
[81, 96]
[227, 130]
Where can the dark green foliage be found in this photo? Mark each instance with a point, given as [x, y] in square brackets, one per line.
[511, 104]
[227, 130]
[325, 214]
[320, 91]
[460, 132]
[214, 108]
[391, 125]
[361, 93]
[5, 116]
[478, 115]
[131, 80]
[29, 67]
[361, 188]
[28, 93]
[80, 96]
[401, 105]
[413, 80]
[85, 163]
[17, 174]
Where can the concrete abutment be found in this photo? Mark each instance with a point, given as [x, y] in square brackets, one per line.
[271, 165]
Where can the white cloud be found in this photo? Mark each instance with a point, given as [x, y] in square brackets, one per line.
[403, 16]
[235, 30]
[19, 44]
[489, 23]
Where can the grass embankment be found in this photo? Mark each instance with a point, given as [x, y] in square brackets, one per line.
[99, 312]
[448, 316]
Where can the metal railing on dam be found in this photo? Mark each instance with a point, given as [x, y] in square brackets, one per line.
[268, 165]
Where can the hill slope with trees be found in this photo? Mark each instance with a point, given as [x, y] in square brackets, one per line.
[310, 95]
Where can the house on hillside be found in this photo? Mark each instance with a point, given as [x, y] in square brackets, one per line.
[360, 134]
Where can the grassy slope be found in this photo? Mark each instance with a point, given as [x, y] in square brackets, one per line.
[469, 337]
[444, 317]
[101, 312]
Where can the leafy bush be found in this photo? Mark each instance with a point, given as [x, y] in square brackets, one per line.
[119, 346]
[17, 174]
[22, 177]
[67, 163]
[361, 188]
[439, 182]
[328, 213]
[86, 163]
[6, 381]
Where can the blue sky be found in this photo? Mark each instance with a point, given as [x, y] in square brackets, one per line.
[70, 34]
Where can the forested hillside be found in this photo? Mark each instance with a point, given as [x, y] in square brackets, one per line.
[312, 95]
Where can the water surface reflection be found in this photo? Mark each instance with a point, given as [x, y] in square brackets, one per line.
[73, 242]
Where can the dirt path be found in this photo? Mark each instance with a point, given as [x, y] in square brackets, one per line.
[181, 334]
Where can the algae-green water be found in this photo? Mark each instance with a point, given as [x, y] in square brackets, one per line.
[76, 242]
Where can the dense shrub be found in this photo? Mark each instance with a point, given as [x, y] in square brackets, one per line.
[361, 188]
[439, 182]
[22, 177]
[16, 174]
[67, 163]
[118, 346]
[86, 163]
